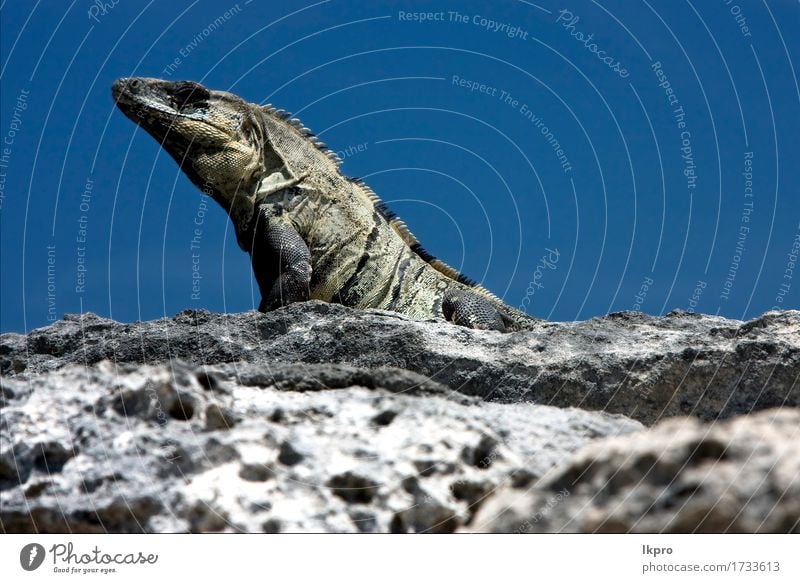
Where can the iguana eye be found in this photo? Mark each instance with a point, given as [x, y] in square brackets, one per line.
[187, 93]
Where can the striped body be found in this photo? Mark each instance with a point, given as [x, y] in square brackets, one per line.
[312, 232]
[358, 260]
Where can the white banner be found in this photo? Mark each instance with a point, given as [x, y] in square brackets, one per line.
[387, 558]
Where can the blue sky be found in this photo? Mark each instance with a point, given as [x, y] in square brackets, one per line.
[577, 158]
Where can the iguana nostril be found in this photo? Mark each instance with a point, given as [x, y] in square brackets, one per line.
[118, 87]
[126, 84]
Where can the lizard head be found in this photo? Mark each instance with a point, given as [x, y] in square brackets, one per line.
[212, 135]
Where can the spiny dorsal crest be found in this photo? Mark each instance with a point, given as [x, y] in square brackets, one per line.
[400, 227]
[285, 116]
[396, 223]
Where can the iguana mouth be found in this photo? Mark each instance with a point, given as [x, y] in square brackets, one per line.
[159, 105]
[183, 99]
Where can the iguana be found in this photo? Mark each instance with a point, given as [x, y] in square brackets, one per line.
[311, 232]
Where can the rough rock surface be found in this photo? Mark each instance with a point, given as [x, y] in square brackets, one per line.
[640, 366]
[317, 417]
[156, 448]
[681, 476]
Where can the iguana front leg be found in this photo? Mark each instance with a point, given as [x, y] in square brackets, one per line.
[276, 182]
[281, 261]
[471, 310]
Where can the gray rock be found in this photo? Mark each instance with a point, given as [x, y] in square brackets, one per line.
[245, 447]
[643, 367]
[740, 475]
[317, 417]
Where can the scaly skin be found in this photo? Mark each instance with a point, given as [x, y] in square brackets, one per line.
[311, 232]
